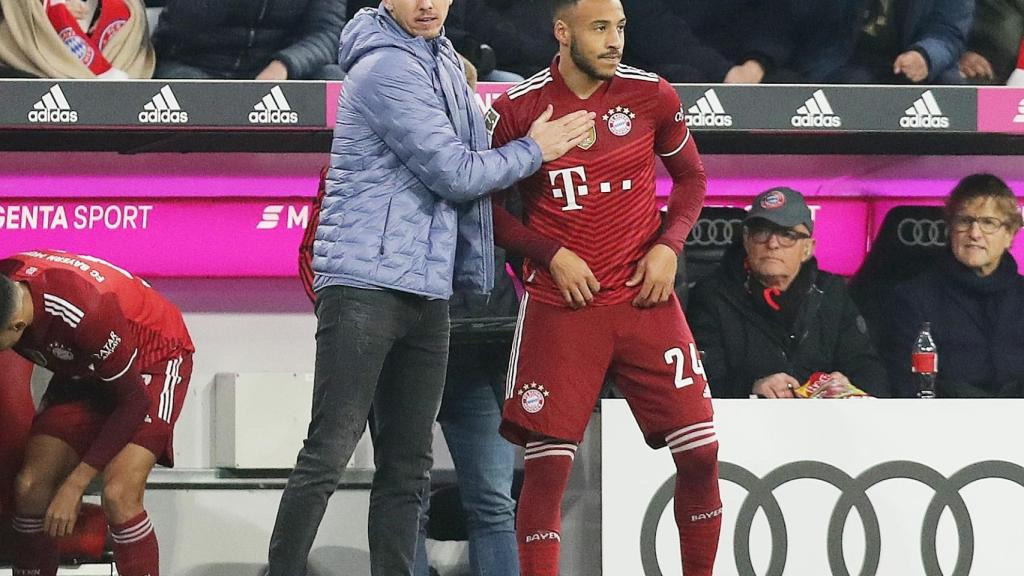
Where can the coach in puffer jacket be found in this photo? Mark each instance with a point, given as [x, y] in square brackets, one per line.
[401, 182]
[245, 39]
[404, 218]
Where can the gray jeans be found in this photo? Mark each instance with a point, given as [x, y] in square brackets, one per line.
[372, 346]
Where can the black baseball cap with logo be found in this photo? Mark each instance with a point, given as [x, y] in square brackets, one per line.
[783, 207]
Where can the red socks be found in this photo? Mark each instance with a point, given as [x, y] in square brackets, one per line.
[35, 553]
[698, 507]
[539, 517]
[135, 547]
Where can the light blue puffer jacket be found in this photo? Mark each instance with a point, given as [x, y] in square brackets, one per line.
[406, 205]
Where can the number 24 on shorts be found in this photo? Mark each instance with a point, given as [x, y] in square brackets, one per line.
[677, 357]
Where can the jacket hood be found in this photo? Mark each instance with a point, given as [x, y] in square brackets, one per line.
[373, 28]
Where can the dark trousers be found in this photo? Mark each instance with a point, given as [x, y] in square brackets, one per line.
[377, 347]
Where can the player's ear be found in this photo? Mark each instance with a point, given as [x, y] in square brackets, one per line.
[808, 250]
[561, 32]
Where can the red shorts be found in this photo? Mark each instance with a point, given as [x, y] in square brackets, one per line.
[560, 358]
[75, 411]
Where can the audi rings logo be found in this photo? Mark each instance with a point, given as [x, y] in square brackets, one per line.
[760, 496]
[714, 232]
[923, 232]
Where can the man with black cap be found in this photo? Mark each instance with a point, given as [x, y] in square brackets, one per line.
[768, 319]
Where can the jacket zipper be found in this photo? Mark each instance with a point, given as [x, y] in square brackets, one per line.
[384, 234]
[252, 33]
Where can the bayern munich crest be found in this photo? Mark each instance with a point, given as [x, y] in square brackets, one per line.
[620, 120]
[533, 396]
[773, 200]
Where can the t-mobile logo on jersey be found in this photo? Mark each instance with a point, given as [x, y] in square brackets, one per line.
[573, 182]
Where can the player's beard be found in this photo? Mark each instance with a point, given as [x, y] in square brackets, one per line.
[585, 65]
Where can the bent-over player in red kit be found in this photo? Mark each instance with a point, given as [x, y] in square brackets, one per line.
[121, 360]
[599, 279]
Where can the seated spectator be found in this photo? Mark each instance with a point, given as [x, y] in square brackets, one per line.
[768, 319]
[731, 41]
[82, 39]
[994, 41]
[973, 299]
[507, 40]
[898, 42]
[250, 39]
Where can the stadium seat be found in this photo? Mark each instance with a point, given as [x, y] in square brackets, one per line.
[717, 228]
[909, 241]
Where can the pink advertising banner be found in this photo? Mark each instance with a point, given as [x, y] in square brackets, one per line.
[1001, 110]
[260, 237]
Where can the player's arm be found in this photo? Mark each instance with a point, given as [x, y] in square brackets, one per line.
[105, 337]
[306, 274]
[570, 273]
[673, 142]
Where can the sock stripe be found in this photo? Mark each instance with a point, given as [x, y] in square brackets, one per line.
[27, 525]
[133, 533]
[534, 446]
[553, 452]
[695, 444]
[685, 439]
[681, 431]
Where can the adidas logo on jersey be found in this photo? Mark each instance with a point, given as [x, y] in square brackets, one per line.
[816, 113]
[708, 111]
[273, 109]
[163, 109]
[53, 108]
[925, 113]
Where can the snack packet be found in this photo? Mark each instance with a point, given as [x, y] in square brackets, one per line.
[822, 385]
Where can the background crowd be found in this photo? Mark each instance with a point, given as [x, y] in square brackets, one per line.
[709, 41]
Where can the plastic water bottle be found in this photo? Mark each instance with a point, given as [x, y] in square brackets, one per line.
[924, 362]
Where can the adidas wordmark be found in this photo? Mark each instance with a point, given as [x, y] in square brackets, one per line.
[708, 111]
[816, 113]
[163, 109]
[273, 109]
[925, 113]
[53, 107]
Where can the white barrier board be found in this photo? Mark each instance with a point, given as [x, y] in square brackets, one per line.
[935, 487]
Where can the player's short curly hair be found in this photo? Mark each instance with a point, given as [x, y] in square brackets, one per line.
[558, 5]
[8, 299]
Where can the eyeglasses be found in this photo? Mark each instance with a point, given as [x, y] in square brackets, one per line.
[785, 236]
[987, 224]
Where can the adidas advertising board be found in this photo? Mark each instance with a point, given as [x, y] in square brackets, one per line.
[53, 108]
[273, 109]
[708, 112]
[925, 113]
[816, 112]
[163, 108]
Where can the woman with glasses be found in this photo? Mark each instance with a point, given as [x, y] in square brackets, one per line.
[768, 319]
[974, 299]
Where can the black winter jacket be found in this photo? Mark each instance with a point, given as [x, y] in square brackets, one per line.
[977, 324]
[241, 37]
[741, 345]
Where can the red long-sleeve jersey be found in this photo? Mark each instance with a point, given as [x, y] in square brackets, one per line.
[599, 199]
[96, 323]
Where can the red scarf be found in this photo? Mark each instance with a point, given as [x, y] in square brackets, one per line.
[88, 47]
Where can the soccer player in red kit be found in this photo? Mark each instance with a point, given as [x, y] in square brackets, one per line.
[599, 279]
[121, 358]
